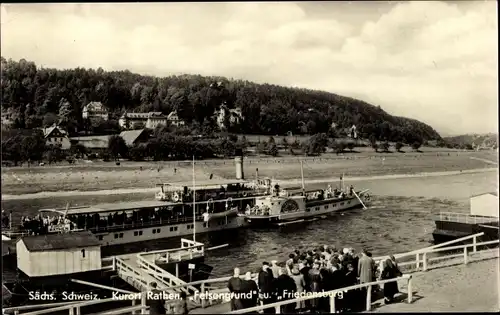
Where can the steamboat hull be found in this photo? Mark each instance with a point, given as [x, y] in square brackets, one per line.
[315, 210]
[447, 231]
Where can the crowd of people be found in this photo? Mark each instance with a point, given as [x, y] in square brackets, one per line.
[320, 270]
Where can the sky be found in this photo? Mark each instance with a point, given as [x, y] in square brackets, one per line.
[431, 61]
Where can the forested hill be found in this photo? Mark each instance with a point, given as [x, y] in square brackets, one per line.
[32, 94]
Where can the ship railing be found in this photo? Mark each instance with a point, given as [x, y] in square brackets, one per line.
[333, 295]
[465, 218]
[144, 224]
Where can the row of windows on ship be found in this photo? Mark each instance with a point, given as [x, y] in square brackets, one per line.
[171, 228]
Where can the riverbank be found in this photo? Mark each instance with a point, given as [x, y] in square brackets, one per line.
[102, 176]
[285, 183]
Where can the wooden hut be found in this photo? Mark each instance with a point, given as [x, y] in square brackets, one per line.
[58, 254]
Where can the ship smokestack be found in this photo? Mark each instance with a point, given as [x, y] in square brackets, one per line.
[238, 161]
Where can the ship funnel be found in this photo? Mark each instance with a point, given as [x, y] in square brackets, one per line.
[238, 161]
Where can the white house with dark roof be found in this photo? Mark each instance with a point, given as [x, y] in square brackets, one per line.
[174, 120]
[149, 120]
[95, 110]
[54, 135]
[58, 254]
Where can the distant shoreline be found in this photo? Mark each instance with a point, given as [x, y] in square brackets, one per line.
[51, 194]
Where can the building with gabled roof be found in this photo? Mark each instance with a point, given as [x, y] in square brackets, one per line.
[133, 137]
[55, 135]
[95, 110]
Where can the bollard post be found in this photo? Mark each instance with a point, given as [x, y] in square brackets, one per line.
[424, 258]
[410, 290]
[332, 302]
[201, 295]
[465, 256]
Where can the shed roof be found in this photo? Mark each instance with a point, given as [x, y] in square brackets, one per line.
[39, 243]
[494, 193]
[131, 135]
[97, 142]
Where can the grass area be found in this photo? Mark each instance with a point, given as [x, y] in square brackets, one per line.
[107, 175]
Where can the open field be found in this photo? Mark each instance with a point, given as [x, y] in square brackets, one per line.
[107, 175]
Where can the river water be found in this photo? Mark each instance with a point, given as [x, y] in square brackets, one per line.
[399, 219]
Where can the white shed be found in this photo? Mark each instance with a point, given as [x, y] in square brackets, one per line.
[58, 254]
[484, 205]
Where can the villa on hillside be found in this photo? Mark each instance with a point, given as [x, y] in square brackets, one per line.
[174, 120]
[54, 135]
[234, 116]
[149, 120]
[95, 110]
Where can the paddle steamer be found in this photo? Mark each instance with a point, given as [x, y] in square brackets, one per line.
[286, 206]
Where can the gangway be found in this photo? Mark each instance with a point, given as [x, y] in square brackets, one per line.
[140, 269]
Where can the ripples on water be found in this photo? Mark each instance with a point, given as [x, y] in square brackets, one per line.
[399, 219]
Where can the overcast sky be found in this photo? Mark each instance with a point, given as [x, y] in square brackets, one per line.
[433, 61]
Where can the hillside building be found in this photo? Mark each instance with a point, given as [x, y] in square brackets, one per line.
[55, 135]
[95, 110]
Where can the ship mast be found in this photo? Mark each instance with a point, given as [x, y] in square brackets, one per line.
[302, 176]
[194, 205]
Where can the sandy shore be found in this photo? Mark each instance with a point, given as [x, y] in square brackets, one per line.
[49, 194]
[129, 176]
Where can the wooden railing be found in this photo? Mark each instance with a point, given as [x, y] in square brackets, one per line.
[74, 308]
[464, 218]
[333, 294]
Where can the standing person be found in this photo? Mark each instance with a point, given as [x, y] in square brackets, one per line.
[300, 284]
[365, 271]
[235, 288]
[315, 286]
[182, 307]
[275, 268]
[266, 283]
[156, 304]
[250, 287]
[285, 290]
[390, 271]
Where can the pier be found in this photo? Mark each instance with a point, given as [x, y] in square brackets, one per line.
[430, 277]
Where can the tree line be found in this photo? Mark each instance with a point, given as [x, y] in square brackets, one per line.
[36, 97]
[163, 143]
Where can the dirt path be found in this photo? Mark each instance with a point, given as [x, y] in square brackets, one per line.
[282, 182]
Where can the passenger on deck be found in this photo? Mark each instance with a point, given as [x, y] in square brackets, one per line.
[235, 286]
